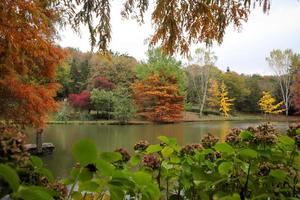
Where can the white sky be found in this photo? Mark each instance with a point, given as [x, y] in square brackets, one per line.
[242, 51]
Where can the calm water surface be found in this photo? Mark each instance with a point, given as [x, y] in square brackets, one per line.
[110, 137]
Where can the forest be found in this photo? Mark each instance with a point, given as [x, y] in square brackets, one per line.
[119, 87]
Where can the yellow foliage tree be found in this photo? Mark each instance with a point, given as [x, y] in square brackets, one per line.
[225, 101]
[267, 104]
[213, 98]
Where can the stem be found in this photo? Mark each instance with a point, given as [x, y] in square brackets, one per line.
[178, 192]
[158, 178]
[73, 186]
[244, 189]
[291, 160]
[167, 189]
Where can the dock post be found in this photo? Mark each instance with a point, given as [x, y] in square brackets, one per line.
[39, 141]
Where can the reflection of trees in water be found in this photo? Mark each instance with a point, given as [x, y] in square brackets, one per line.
[110, 137]
[225, 128]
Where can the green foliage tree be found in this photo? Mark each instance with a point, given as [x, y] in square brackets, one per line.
[160, 63]
[103, 102]
[79, 73]
[237, 88]
[124, 109]
[64, 79]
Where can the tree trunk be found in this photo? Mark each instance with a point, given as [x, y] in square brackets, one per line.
[39, 141]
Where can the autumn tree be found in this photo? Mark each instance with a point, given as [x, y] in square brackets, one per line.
[268, 104]
[225, 101]
[101, 82]
[118, 69]
[295, 89]
[177, 24]
[158, 63]
[158, 98]
[284, 64]
[81, 101]
[28, 60]
[213, 98]
[199, 75]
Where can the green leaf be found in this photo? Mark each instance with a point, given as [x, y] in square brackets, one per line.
[235, 196]
[105, 168]
[225, 167]
[10, 176]
[248, 154]
[88, 186]
[36, 161]
[164, 139]
[224, 148]
[76, 196]
[46, 172]
[286, 143]
[135, 160]
[153, 148]
[142, 178]
[74, 172]
[85, 152]
[278, 174]
[167, 152]
[246, 135]
[298, 131]
[111, 156]
[174, 159]
[67, 181]
[85, 175]
[116, 192]
[35, 192]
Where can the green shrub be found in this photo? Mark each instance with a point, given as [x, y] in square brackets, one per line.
[65, 113]
[85, 116]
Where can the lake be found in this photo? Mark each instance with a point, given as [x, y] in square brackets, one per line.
[110, 137]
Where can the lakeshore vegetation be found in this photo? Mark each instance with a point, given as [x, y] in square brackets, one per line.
[38, 78]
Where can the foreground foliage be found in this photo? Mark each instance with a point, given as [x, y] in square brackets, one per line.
[256, 163]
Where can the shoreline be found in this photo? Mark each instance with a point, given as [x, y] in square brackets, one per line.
[203, 119]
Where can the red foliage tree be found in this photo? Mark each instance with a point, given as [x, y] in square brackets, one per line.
[81, 101]
[102, 82]
[158, 98]
[295, 88]
[28, 60]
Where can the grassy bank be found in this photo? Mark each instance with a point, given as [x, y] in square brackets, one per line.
[194, 117]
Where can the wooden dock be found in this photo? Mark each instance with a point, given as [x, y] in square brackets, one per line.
[47, 148]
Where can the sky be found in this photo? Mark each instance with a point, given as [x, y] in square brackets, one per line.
[243, 51]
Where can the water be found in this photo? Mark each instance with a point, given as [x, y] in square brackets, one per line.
[110, 137]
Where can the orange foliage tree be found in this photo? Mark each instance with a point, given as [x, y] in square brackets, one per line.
[28, 60]
[158, 98]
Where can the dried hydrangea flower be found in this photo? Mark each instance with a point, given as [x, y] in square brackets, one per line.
[124, 153]
[152, 161]
[209, 140]
[142, 145]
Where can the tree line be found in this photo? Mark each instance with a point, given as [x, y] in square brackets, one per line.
[117, 86]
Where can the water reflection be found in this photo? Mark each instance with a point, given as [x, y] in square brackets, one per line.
[110, 137]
